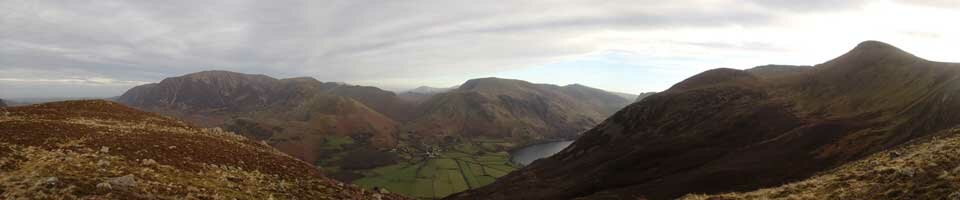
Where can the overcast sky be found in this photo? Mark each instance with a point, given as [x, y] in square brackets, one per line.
[78, 48]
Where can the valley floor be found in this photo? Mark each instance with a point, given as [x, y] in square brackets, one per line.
[447, 170]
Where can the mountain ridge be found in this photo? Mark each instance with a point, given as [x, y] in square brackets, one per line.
[723, 125]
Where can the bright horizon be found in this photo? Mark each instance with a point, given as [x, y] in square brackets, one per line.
[101, 49]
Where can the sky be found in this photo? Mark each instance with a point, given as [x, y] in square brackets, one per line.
[101, 48]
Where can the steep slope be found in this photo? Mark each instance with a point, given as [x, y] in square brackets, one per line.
[731, 130]
[104, 150]
[518, 110]
[300, 129]
[925, 169]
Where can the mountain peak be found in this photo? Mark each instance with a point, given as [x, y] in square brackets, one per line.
[871, 52]
[875, 47]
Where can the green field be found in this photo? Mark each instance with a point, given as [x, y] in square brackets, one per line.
[463, 167]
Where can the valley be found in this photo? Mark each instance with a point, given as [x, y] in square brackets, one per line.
[427, 143]
[456, 168]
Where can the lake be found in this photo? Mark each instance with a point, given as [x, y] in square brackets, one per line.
[528, 154]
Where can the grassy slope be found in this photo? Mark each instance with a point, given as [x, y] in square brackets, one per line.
[455, 170]
[926, 169]
[67, 150]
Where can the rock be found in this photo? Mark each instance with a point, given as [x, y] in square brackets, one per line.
[234, 179]
[49, 182]
[383, 190]
[894, 154]
[103, 163]
[127, 181]
[104, 185]
[377, 196]
[104, 149]
[148, 162]
[172, 147]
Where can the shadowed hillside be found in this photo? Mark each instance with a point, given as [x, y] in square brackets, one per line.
[104, 150]
[924, 169]
[737, 130]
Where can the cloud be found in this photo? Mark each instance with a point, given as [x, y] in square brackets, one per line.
[372, 41]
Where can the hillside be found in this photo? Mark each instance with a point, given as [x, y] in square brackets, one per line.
[925, 169]
[738, 130]
[517, 110]
[104, 150]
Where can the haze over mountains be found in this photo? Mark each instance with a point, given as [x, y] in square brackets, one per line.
[736, 130]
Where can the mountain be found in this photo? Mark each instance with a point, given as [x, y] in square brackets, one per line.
[728, 130]
[521, 111]
[296, 115]
[103, 150]
[2, 103]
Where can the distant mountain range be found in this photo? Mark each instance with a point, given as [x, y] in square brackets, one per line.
[427, 90]
[728, 130]
[104, 150]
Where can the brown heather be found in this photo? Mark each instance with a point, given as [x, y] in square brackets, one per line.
[926, 169]
[73, 149]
